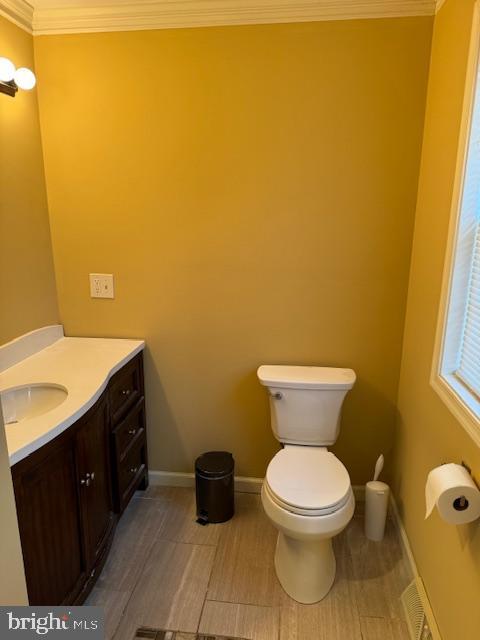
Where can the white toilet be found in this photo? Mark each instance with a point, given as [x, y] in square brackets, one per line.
[307, 492]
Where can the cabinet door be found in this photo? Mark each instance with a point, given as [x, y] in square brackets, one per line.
[47, 500]
[94, 478]
[125, 388]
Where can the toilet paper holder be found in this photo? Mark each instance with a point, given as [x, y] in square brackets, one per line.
[451, 489]
[461, 503]
[464, 465]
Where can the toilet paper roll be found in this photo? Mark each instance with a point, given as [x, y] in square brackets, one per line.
[451, 489]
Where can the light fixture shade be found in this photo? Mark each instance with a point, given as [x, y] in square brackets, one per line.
[7, 70]
[24, 78]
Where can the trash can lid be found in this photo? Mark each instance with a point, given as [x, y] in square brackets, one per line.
[215, 463]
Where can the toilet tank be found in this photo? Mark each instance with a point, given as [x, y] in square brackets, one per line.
[306, 402]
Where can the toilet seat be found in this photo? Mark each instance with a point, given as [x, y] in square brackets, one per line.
[309, 481]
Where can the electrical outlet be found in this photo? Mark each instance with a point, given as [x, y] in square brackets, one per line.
[101, 285]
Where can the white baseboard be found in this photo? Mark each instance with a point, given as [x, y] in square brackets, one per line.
[178, 479]
[403, 535]
[248, 485]
[244, 484]
[171, 479]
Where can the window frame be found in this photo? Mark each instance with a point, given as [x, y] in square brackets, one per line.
[458, 398]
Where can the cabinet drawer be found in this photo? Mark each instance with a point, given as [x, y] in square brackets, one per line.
[130, 429]
[132, 467]
[126, 388]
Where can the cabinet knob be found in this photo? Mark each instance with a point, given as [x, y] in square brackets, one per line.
[126, 392]
[132, 432]
[89, 478]
[133, 469]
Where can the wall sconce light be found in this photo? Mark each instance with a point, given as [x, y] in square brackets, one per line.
[12, 79]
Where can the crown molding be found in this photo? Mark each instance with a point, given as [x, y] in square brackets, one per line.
[131, 15]
[19, 12]
[127, 16]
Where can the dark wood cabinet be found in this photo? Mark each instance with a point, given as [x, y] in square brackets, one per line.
[69, 492]
[129, 456]
[49, 515]
[129, 442]
[93, 464]
[130, 430]
[125, 388]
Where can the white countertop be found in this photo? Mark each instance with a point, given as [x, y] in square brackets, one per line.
[83, 366]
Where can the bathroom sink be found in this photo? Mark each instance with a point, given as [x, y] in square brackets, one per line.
[30, 401]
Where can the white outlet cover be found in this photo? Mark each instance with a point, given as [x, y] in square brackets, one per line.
[101, 285]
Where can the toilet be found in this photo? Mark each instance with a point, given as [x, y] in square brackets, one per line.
[307, 493]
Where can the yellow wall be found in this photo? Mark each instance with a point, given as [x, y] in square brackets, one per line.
[253, 191]
[448, 557]
[27, 282]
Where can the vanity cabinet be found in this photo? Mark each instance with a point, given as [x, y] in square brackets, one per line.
[125, 388]
[50, 521]
[93, 473]
[70, 491]
[128, 433]
[129, 455]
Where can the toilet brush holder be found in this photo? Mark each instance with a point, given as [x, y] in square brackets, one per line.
[376, 507]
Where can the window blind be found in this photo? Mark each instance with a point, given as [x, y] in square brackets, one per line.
[469, 367]
[456, 364]
[463, 324]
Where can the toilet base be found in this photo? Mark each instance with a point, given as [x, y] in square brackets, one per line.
[305, 569]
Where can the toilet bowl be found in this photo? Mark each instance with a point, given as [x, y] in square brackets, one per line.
[307, 493]
[307, 514]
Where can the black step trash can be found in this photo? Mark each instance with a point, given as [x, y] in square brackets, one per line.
[214, 486]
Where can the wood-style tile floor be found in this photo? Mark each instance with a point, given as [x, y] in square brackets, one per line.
[167, 572]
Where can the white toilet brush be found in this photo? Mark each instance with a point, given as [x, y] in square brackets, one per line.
[376, 504]
[378, 467]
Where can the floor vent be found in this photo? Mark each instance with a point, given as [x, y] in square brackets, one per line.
[420, 621]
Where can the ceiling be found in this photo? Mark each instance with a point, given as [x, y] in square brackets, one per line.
[80, 16]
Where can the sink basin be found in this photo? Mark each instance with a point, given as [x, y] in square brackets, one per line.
[30, 401]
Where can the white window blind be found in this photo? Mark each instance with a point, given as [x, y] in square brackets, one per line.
[469, 366]
[461, 353]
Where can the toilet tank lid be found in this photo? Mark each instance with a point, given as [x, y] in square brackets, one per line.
[295, 377]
